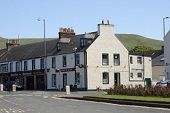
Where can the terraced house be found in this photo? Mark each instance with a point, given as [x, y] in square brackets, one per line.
[85, 61]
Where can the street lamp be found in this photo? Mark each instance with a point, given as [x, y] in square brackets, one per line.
[164, 25]
[45, 54]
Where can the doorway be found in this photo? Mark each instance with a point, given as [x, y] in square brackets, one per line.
[40, 82]
[30, 82]
[117, 79]
[64, 80]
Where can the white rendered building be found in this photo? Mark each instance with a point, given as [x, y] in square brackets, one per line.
[87, 61]
[167, 56]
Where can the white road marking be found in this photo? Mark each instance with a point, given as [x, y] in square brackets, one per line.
[26, 108]
[12, 110]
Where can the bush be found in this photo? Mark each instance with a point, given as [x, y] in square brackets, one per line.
[139, 90]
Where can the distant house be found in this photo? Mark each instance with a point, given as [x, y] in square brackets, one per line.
[85, 61]
[158, 67]
[167, 55]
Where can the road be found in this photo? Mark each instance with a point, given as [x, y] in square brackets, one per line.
[44, 102]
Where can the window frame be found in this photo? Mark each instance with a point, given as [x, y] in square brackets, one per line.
[42, 63]
[77, 59]
[4, 68]
[25, 65]
[77, 78]
[116, 59]
[33, 64]
[54, 80]
[139, 61]
[58, 46]
[17, 68]
[82, 42]
[64, 61]
[53, 62]
[131, 60]
[103, 59]
[105, 80]
[139, 75]
[11, 66]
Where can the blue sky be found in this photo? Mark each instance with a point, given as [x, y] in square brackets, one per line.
[143, 17]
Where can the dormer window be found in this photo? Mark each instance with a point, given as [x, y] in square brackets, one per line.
[58, 46]
[82, 42]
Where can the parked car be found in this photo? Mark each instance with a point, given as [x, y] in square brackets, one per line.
[163, 83]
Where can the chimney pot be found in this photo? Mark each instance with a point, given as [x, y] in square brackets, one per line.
[66, 33]
[102, 21]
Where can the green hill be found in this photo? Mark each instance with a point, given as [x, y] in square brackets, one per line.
[22, 41]
[132, 40]
[2, 42]
[129, 40]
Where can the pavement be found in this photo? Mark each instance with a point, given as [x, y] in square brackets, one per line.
[54, 102]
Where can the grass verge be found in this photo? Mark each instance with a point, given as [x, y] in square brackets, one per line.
[138, 98]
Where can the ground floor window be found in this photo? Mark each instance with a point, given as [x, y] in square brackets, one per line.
[77, 78]
[139, 75]
[105, 78]
[53, 80]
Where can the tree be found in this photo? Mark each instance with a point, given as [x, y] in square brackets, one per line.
[142, 48]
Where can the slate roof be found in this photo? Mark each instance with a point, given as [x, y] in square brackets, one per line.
[158, 61]
[2, 51]
[146, 53]
[36, 50]
[157, 56]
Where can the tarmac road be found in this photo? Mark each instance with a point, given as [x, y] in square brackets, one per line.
[45, 102]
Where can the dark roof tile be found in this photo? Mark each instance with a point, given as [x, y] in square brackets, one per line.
[36, 50]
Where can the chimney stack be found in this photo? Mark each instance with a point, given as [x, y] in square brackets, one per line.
[12, 43]
[66, 33]
[105, 28]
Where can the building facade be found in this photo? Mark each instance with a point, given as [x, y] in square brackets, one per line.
[85, 62]
[167, 55]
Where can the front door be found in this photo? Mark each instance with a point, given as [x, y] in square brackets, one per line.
[117, 79]
[64, 80]
[40, 82]
[30, 82]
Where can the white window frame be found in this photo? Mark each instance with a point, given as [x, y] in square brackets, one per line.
[54, 81]
[116, 59]
[139, 60]
[105, 77]
[105, 61]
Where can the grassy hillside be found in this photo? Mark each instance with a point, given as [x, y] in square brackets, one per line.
[129, 40]
[2, 42]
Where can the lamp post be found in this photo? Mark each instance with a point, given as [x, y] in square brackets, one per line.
[164, 25]
[45, 54]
